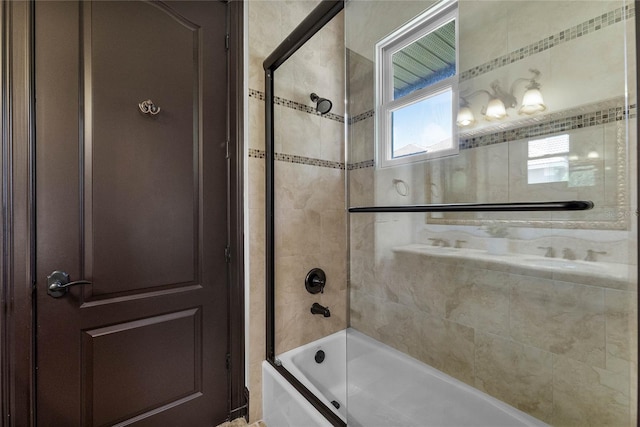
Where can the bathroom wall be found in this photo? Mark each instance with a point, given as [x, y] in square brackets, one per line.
[559, 346]
[309, 173]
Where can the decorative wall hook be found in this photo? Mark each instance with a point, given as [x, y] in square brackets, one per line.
[148, 107]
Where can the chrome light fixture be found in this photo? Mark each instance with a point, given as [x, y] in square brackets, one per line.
[500, 100]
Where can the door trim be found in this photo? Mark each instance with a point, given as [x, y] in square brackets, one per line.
[17, 170]
[239, 399]
[18, 250]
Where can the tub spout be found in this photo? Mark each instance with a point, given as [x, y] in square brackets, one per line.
[318, 309]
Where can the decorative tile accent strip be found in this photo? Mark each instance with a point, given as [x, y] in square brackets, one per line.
[289, 158]
[602, 113]
[256, 94]
[302, 160]
[361, 117]
[587, 27]
[256, 154]
[361, 165]
[295, 105]
[550, 126]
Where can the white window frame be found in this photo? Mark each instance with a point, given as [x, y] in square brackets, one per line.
[427, 22]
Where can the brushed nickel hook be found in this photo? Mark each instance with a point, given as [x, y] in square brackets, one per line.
[148, 107]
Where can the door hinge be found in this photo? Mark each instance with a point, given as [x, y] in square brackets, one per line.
[227, 254]
[228, 361]
[227, 155]
[226, 41]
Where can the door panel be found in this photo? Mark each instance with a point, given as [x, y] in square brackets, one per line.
[125, 384]
[136, 206]
[135, 203]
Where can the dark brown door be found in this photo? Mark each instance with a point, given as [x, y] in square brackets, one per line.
[134, 202]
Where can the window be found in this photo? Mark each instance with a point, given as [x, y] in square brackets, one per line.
[548, 160]
[416, 81]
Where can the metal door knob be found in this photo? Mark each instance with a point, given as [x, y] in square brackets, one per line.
[58, 284]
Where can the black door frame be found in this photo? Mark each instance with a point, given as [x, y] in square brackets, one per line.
[18, 382]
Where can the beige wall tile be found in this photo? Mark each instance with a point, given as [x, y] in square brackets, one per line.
[332, 139]
[256, 183]
[447, 346]
[256, 123]
[621, 337]
[565, 319]
[584, 395]
[517, 374]
[297, 132]
[479, 42]
[479, 299]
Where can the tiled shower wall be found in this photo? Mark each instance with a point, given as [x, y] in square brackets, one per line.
[309, 172]
[561, 348]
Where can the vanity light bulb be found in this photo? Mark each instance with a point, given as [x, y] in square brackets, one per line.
[465, 117]
[532, 102]
[495, 110]
[593, 155]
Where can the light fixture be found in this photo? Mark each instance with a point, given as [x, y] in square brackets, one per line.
[465, 115]
[495, 110]
[532, 101]
[500, 100]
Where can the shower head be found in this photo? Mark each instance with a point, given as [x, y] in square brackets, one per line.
[323, 105]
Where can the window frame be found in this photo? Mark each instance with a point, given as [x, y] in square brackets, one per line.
[425, 23]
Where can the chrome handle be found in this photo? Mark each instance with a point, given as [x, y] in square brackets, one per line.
[58, 284]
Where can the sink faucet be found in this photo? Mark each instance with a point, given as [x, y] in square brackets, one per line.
[567, 253]
[440, 242]
[591, 254]
[550, 252]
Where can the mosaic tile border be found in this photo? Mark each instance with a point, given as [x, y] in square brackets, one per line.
[295, 106]
[572, 33]
[301, 160]
[551, 125]
[361, 165]
[579, 118]
[257, 154]
[361, 117]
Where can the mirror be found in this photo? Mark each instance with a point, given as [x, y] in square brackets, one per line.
[570, 143]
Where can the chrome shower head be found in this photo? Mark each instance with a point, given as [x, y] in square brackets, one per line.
[323, 105]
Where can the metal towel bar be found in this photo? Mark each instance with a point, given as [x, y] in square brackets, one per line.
[571, 205]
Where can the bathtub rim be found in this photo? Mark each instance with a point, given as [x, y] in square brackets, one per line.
[294, 370]
[354, 334]
[301, 402]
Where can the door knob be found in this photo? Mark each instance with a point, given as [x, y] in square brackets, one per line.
[58, 284]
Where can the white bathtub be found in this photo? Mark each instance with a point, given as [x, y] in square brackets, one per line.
[378, 386]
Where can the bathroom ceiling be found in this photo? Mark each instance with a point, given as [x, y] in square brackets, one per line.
[425, 61]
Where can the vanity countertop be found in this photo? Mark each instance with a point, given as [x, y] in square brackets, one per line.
[601, 274]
